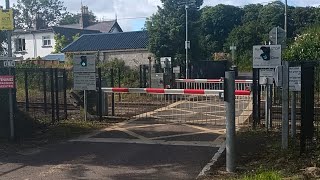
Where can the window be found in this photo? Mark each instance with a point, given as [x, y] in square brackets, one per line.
[46, 41]
[20, 44]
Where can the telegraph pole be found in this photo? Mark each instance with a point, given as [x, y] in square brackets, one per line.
[9, 33]
[286, 16]
[186, 43]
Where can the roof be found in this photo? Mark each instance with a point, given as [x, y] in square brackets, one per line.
[69, 32]
[28, 31]
[54, 57]
[104, 26]
[109, 41]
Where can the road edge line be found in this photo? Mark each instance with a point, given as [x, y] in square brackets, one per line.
[213, 160]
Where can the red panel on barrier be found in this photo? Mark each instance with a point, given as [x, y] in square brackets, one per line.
[189, 80]
[193, 91]
[214, 80]
[242, 93]
[124, 90]
[155, 90]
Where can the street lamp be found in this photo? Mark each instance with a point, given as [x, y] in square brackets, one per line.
[187, 43]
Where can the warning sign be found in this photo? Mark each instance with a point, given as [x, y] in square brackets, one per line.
[6, 82]
[6, 19]
[295, 78]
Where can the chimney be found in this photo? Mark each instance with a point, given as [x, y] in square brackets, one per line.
[84, 18]
[38, 22]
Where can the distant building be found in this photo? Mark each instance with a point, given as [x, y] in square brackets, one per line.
[39, 41]
[128, 46]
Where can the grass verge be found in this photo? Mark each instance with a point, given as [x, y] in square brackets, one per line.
[260, 157]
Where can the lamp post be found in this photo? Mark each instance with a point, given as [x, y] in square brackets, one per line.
[187, 44]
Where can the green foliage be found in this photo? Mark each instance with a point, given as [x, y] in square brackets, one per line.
[70, 18]
[264, 175]
[216, 23]
[128, 77]
[214, 29]
[166, 29]
[50, 12]
[2, 40]
[62, 42]
[305, 47]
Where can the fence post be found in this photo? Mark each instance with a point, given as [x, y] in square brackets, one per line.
[119, 82]
[100, 94]
[45, 91]
[52, 96]
[57, 94]
[293, 115]
[307, 105]
[144, 76]
[65, 94]
[141, 77]
[26, 88]
[112, 95]
[230, 114]
[255, 98]
[270, 108]
[285, 105]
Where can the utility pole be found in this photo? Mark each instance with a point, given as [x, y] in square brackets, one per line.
[187, 43]
[286, 17]
[9, 33]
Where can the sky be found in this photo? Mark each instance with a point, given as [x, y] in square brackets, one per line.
[131, 14]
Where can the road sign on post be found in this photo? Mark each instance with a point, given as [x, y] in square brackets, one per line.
[6, 19]
[266, 76]
[277, 36]
[266, 56]
[84, 72]
[165, 61]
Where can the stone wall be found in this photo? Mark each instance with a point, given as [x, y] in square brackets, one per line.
[132, 58]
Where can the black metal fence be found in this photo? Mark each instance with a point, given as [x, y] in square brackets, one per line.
[307, 105]
[43, 93]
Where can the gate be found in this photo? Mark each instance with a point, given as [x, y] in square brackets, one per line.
[190, 106]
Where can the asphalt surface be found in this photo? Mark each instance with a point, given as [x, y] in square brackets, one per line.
[157, 145]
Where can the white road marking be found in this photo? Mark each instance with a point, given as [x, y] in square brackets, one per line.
[212, 161]
[153, 142]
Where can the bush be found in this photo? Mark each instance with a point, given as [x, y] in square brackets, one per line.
[128, 77]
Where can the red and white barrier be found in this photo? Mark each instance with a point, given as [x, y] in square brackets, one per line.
[172, 91]
[209, 81]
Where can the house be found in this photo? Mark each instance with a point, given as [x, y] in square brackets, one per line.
[128, 46]
[39, 42]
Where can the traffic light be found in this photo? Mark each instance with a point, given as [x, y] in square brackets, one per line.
[84, 61]
[266, 53]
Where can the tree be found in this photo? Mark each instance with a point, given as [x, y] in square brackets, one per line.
[167, 26]
[3, 40]
[306, 46]
[216, 23]
[244, 37]
[49, 11]
[301, 18]
[272, 15]
[251, 12]
[62, 41]
[70, 18]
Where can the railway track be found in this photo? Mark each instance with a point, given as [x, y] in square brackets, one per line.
[38, 105]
